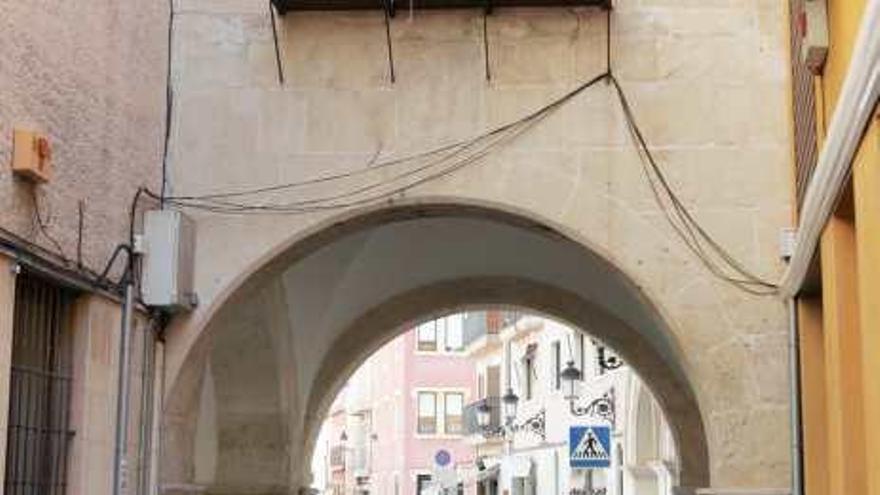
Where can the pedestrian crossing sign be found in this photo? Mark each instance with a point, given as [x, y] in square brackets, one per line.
[589, 446]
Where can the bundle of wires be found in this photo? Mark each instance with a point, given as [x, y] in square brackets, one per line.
[379, 181]
[709, 251]
[384, 180]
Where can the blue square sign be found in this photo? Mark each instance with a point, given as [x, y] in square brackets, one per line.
[589, 446]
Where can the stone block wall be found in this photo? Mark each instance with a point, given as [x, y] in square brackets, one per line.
[708, 82]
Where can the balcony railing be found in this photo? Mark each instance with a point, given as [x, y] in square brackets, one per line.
[480, 323]
[471, 422]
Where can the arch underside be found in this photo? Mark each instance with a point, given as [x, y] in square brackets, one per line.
[279, 348]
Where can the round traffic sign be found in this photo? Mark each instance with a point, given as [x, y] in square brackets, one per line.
[442, 458]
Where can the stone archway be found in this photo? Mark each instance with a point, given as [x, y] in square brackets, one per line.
[383, 323]
[280, 344]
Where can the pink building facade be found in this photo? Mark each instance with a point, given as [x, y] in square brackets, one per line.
[403, 431]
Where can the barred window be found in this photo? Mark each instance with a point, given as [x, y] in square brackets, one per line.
[40, 386]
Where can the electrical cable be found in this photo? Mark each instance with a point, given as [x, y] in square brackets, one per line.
[169, 103]
[387, 5]
[445, 160]
[608, 38]
[308, 204]
[277, 48]
[499, 135]
[452, 148]
[107, 267]
[294, 209]
[79, 234]
[44, 226]
[688, 229]
[486, 40]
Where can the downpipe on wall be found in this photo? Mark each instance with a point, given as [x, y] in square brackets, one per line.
[797, 453]
[120, 468]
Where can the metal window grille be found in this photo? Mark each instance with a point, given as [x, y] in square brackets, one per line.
[40, 386]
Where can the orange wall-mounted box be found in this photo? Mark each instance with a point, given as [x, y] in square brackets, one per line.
[31, 155]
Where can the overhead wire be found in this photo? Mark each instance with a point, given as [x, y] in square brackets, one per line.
[691, 232]
[169, 103]
[278, 63]
[43, 226]
[308, 206]
[440, 155]
[371, 169]
[433, 164]
[332, 201]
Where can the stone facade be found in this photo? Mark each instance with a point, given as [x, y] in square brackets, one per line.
[708, 83]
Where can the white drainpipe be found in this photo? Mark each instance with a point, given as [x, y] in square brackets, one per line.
[855, 106]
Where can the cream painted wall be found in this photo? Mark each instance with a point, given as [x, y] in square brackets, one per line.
[93, 403]
[7, 303]
[708, 82]
[90, 76]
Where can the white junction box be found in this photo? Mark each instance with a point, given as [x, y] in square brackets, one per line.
[169, 247]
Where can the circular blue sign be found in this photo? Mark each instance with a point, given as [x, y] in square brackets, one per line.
[442, 458]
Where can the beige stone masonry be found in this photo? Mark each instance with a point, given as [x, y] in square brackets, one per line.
[705, 84]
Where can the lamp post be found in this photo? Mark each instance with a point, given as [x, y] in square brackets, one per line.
[484, 415]
[570, 375]
[510, 401]
[602, 407]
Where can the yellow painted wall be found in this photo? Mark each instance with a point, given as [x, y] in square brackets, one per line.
[813, 401]
[848, 353]
[866, 180]
[844, 18]
[850, 447]
[842, 348]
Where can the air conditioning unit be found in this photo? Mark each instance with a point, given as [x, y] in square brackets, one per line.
[168, 246]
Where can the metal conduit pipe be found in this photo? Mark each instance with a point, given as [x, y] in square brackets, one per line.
[120, 468]
[797, 456]
[145, 442]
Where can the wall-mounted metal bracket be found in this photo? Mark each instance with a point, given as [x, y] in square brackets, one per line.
[389, 10]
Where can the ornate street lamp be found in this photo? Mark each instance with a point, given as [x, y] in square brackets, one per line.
[510, 401]
[570, 375]
[602, 407]
[484, 415]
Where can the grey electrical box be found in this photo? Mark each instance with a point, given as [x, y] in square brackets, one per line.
[168, 244]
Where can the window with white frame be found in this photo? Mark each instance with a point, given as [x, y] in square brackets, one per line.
[441, 335]
[454, 332]
[453, 423]
[426, 336]
[440, 411]
[427, 420]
